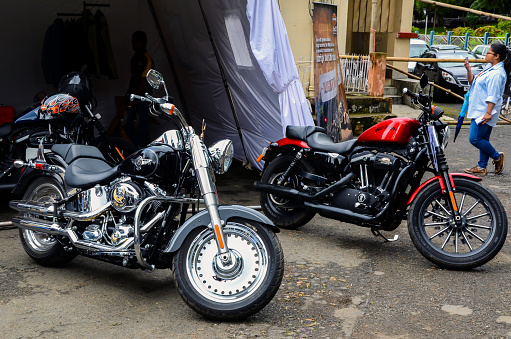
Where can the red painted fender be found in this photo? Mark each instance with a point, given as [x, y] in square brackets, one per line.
[287, 141]
[442, 186]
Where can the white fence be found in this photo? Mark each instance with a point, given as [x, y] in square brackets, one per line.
[354, 74]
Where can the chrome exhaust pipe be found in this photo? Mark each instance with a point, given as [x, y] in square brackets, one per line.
[46, 209]
[52, 228]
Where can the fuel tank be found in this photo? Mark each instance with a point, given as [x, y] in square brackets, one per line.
[393, 131]
[158, 162]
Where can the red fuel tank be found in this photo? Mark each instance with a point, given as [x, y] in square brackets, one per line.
[395, 130]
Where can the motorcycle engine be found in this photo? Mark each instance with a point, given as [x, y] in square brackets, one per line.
[125, 196]
[356, 201]
[376, 172]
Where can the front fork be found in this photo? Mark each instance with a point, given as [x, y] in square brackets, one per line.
[208, 190]
[448, 185]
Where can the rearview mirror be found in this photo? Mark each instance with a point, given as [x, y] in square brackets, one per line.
[154, 78]
[424, 80]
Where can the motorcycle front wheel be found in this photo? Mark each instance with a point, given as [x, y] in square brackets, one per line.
[469, 244]
[231, 291]
[45, 249]
[285, 213]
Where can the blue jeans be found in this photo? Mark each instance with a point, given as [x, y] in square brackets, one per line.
[479, 136]
[140, 112]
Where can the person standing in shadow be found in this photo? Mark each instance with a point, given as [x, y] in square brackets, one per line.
[140, 64]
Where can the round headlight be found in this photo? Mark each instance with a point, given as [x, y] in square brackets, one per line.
[221, 155]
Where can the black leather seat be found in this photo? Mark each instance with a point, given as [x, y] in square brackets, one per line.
[87, 172]
[70, 152]
[5, 129]
[317, 138]
[302, 132]
[322, 142]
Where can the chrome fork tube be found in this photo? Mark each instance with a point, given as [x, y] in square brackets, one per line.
[208, 190]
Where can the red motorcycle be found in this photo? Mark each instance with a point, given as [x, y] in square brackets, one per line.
[379, 179]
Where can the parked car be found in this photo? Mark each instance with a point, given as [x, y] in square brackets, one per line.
[417, 47]
[480, 51]
[450, 75]
[444, 47]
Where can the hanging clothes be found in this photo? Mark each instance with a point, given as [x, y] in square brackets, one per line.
[52, 60]
[104, 47]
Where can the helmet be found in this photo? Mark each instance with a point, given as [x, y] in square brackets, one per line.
[57, 105]
[77, 85]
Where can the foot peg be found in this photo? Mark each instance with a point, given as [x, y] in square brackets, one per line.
[377, 233]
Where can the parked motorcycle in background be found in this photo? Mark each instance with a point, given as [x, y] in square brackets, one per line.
[227, 261]
[376, 181]
[66, 117]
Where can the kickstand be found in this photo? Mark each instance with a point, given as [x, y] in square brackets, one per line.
[377, 233]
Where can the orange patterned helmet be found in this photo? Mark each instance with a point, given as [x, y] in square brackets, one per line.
[58, 104]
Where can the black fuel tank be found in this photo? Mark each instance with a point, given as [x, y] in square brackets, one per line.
[160, 163]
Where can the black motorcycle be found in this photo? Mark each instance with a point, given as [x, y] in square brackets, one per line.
[20, 139]
[227, 261]
[395, 170]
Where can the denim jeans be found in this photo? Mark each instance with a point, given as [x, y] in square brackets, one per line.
[479, 136]
[140, 112]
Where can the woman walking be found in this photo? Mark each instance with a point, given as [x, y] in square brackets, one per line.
[484, 106]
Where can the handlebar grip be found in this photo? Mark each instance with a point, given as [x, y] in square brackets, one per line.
[134, 97]
[410, 93]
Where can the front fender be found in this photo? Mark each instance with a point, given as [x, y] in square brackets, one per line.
[442, 186]
[226, 212]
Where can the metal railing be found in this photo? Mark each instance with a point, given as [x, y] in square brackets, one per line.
[461, 41]
[354, 73]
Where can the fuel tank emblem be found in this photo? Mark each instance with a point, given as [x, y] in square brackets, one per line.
[140, 161]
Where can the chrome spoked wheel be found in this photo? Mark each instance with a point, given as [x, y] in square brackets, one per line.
[235, 281]
[473, 241]
[47, 191]
[238, 288]
[44, 248]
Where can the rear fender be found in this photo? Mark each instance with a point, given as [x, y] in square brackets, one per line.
[29, 175]
[226, 212]
[442, 185]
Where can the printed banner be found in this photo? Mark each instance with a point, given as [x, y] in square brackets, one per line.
[331, 105]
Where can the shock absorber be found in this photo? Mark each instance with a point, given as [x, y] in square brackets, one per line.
[293, 163]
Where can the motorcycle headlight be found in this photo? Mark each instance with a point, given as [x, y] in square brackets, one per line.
[448, 77]
[445, 135]
[221, 154]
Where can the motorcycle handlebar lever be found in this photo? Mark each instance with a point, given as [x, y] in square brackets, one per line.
[134, 97]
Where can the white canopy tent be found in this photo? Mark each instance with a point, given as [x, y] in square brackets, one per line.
[225, 61]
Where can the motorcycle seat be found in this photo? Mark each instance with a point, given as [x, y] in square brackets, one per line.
[87, 172]
[71, 152]
[302, 132]
[322, 142]
[317, 138]
[5, 129]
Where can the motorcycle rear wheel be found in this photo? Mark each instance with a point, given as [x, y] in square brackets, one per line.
[285, 213]
[476, 241]
[236, 291]
[42, 247]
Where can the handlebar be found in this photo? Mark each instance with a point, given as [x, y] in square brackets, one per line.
[134, 97]
[410, 93]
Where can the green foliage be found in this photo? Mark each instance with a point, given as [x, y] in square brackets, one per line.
[492, 30]
[504, 25]
[415, 29]
[461, 31]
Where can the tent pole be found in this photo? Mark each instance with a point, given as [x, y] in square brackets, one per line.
[224, 79]
[167, 53]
